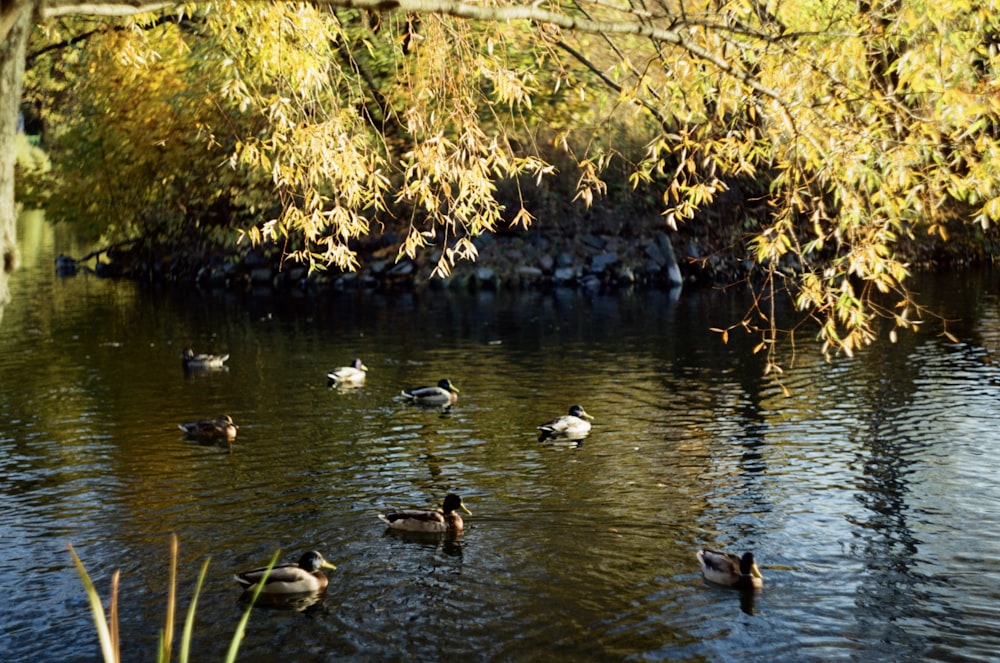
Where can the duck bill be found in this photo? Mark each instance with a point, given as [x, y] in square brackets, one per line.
[466, 509]
[755, 572]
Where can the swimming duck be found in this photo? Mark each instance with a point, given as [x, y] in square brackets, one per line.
[429, 520]
[445, 393]
[730, 570]
[573, 426]
[221, 428]
[66, 266]
[191, 360]
[304, 576]
[348, 375]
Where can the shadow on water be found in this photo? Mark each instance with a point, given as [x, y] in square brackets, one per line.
[863, 493]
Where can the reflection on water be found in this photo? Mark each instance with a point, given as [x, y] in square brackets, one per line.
[867, 495]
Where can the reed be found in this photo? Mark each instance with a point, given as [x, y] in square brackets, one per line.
[107, 624]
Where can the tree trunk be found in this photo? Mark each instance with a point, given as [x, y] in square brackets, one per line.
[12, 49]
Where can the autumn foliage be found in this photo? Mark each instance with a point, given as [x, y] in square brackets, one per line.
[850, 128]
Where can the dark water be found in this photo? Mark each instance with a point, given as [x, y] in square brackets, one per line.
[870, 495]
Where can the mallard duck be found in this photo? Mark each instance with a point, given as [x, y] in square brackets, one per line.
[348, 375]
[445, 393]
[573, 426]
[730, 570]
[221, 428]
[304, 576]
[191, 360]
[429, 520]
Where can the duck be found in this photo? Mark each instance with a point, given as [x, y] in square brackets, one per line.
[304, 576]
[573, 426]
[221, 428]
[348, 375]
[444, 519]
[730, 570]
[66, 266]
[445, 393]
[191, 360]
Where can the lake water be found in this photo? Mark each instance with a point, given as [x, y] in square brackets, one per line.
[868, 494]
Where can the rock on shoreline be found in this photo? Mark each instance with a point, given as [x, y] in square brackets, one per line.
[520, 261]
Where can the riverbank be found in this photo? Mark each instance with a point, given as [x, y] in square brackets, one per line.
[511, 260]
[603, 248]
[599, 250]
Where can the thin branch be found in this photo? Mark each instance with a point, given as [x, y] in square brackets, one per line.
[650, 108]
[30, 58]
[460, 9]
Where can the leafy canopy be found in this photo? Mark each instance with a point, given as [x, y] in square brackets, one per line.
[861, 126]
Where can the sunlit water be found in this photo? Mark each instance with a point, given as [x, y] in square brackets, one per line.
[869, 494]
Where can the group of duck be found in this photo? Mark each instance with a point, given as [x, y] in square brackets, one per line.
[306, 575]
[575, 425]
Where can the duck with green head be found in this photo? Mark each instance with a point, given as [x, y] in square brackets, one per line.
[348, 376]
[444, 519]
[304, 576]
[444, 394]
[572, 426]
[730, 570]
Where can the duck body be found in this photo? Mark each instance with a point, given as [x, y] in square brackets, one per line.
[444, 393]
[346, 376]
[730, 570]
[444, 519]
[66, 266]
[192, 360]
[572, 426]
[221, 428]
[302, 577]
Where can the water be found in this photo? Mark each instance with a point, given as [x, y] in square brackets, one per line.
[868, 494]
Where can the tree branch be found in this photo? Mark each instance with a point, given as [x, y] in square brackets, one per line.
[460, 9]
[66, 43]
[54, 9]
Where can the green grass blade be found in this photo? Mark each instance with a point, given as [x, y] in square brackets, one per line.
[234, 646]
[167, 642]
[189, 621]
[96, 609]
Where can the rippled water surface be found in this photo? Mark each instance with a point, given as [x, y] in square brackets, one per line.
[869, 494]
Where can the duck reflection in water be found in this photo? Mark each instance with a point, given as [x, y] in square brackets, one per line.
[311, 602]
[450, 543]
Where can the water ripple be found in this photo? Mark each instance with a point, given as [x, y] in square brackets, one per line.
[864, 490]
